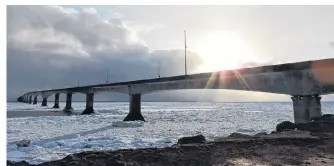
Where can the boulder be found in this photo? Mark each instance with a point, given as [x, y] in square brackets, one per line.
[311, 126]
[285, 125]
[190, 140]
[328, 116]
[23, 143]
[324, 118]
[239, 135]
[323, 124]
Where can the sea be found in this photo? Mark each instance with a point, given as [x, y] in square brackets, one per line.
[53, 136]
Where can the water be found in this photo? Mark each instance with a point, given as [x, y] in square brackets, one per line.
[53, 137]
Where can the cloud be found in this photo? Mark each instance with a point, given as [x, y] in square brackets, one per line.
[50, 47]
[331, 44]
[90, 10]
[144, 28]
[36, 28]
[54, 46]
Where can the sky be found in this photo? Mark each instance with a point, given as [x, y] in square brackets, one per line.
[64, 46]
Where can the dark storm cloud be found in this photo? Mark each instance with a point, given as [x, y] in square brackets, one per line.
[51, 46]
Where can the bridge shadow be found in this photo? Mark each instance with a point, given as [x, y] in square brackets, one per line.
[75, 135]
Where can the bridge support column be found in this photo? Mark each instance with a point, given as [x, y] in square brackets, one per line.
[68, 107]
[44, 102]
[135, 112]
[30, 99]
[20, 99]
[89, 104]
[56, 101]
[35, 100]
[26, 99]
[306, 107]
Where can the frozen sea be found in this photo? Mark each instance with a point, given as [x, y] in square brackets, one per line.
[54, 137]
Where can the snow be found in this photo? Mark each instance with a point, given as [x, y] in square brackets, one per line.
[53, 137]
[15, 154]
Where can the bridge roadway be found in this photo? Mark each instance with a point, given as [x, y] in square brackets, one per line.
[303, 81]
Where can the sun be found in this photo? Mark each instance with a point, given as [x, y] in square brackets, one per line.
[223, 50]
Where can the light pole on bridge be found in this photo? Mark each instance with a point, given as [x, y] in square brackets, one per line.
[107, 76]
[185, 54]
[158, 69]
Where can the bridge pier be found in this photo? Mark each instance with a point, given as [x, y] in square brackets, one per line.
[56, 101]
[19, 99]
[44, 102]
[68, 107]
[89, 104]
[30, 100]
[35, 100]
[306, 107]
[135, 109]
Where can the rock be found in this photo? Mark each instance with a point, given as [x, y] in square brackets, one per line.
[23, 143]
[239, 135]
[74, 163]
[117, 157]
[320, 126]
[10, 162]
[117, 163]
[324, 118]
[70, 157]
[311, 126]
[328, 115]
[260, 134]
[288, 129]
[190, 140]
[21, 163]
[291, 134]
[285, 125]
[90, 156]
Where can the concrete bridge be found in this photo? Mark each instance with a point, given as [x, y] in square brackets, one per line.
[305, 82]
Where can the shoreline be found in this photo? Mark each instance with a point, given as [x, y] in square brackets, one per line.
[275, 151]
[310, 144]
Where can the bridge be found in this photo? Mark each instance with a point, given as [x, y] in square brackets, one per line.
[304, 81]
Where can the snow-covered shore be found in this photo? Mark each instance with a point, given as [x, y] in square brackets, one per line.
[54, 137]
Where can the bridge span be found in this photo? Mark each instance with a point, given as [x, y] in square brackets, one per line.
[304, 81]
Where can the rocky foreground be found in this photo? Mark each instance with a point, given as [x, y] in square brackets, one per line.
[291, 144]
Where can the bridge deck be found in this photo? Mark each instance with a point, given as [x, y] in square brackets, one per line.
[243, 71]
